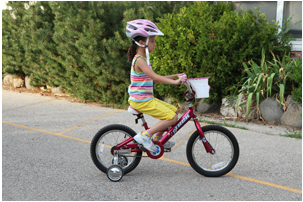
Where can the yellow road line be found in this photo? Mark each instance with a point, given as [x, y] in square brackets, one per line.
[243, 178]
[169, 160]
[174, 161]
[29, 105]
[265, 183]
[44, 131]
[90, 121]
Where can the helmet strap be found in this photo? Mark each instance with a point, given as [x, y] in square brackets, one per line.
[146, 50]
[136, 42]
[143, 46]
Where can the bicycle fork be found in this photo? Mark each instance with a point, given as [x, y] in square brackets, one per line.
[207, 145]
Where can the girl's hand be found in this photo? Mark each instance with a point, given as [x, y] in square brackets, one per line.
[181, 80]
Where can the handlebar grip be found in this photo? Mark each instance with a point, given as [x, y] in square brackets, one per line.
[183, 75]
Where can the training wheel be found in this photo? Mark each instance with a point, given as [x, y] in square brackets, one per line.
[159, 153]
[115, 173]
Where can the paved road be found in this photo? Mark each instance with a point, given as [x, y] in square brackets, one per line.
[45, 156]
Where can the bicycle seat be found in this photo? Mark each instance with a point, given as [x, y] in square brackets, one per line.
[133, 111]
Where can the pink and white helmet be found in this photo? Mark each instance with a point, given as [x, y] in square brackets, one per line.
[141, 27]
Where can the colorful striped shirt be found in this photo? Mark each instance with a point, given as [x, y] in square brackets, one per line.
[141, 87]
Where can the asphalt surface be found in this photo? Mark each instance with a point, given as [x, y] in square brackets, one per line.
[45, 156]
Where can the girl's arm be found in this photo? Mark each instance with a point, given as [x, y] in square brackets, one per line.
[174, 76]
[158, 78]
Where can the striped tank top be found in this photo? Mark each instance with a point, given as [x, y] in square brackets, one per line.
[141, 87]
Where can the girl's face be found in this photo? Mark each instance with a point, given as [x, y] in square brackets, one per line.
[152, 44]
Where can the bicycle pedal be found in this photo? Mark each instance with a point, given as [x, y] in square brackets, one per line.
[167, 150]
[142, 147]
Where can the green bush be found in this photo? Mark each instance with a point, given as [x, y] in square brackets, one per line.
[13, 60]
[79, 31]
[36, 38]
[209, 39]
[25, 38]
[80, 46]
[296, 78]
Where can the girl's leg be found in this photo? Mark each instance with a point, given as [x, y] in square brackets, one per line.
[159, 135]
[145, 137]
[160, 110]
[162, 125]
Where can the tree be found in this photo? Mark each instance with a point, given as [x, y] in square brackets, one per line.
[13, 54]
[37, 30]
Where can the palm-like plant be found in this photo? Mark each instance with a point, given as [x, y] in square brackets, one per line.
[265, 80]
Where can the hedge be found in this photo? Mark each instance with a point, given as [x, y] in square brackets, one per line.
[209, 39]
[81, 46]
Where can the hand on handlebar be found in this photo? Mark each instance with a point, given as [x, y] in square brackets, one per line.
[182, 79]
[182, 75]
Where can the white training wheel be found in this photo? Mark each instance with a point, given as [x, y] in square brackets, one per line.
[115, 173]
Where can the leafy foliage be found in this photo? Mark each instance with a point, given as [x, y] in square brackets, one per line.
[296, 78]
[269, 79]
[12, 50]
[80, 46]
[209, 39]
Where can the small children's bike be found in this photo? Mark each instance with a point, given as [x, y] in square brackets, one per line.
[211, 150]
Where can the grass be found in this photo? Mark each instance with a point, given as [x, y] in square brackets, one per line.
[297, 135]
[224, 124]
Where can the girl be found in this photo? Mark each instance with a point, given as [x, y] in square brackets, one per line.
[143, 35]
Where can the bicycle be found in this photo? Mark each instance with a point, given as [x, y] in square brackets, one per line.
[115, 152]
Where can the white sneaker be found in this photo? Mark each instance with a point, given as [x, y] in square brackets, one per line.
[146, 142]
[169, 145]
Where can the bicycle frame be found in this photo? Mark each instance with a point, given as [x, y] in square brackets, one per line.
[181, 122]
[171, 131]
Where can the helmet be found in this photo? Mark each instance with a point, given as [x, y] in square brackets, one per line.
[141, 27]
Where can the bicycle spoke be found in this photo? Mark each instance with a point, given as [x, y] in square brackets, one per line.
[212, 161]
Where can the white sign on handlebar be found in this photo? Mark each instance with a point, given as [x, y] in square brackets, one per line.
[200, 86]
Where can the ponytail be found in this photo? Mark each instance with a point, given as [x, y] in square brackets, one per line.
[132, 51]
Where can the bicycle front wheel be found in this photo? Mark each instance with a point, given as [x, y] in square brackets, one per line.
[105, 140]
[226, 151]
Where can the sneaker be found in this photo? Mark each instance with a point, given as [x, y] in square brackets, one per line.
[168, 145]
[146, 142]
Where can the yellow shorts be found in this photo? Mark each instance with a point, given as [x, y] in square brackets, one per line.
[156, 108]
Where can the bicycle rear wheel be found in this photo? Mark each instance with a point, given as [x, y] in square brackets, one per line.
[105, 140]
[226, 151]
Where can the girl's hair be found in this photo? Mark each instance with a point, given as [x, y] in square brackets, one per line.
[132, 51]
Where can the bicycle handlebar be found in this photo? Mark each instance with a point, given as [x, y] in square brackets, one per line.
[189, 93]
[187, 84]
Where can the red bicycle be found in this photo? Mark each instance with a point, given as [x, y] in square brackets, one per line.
[211, 150]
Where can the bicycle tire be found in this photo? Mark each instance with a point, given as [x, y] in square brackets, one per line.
[225, 145]
[110, 136]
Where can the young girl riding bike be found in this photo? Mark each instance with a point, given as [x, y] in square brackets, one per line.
[143, 35]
